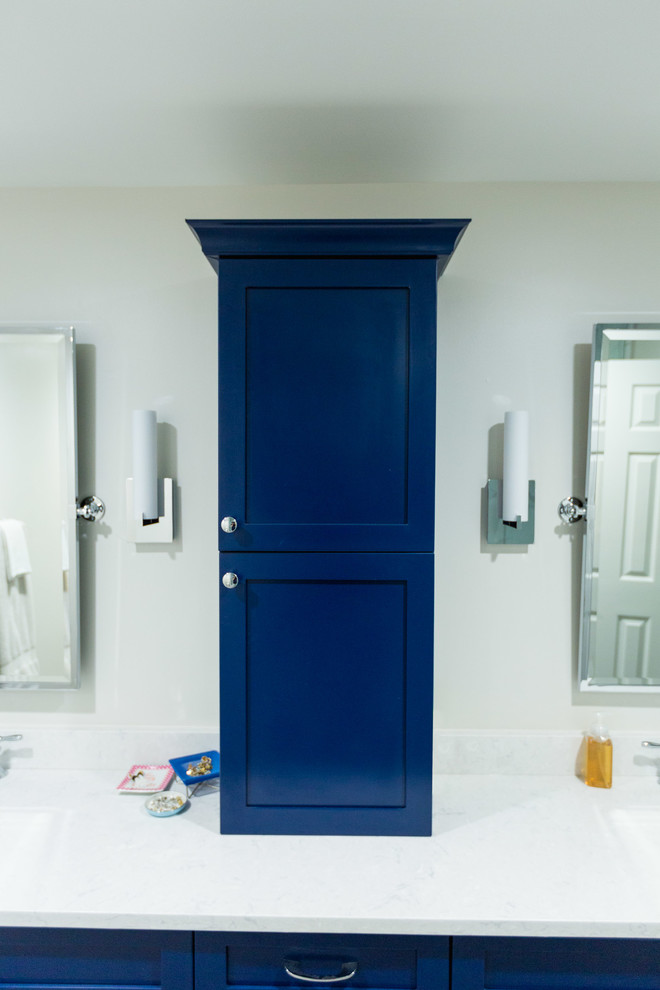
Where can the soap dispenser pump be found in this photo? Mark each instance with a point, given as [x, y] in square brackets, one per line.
[598, 763]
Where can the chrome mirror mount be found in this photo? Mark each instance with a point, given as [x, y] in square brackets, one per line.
[572, 510]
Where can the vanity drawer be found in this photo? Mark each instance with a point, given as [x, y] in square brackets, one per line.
[317, 961]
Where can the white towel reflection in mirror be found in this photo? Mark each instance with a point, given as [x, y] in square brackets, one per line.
[18, 655]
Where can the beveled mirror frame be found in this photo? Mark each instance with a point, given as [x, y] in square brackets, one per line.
[629, 557]
[57, 507]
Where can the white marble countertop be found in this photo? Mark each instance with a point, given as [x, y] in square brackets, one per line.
[509, 855]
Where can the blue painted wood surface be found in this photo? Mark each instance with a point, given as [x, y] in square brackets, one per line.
[382, 962]
[60, 958]
[327, 359]
[327, 404]
[417, 238]
[555, 963]
[326, 700]
[85, 957]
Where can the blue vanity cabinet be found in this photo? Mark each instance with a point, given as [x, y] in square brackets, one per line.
[369, 962]
[555, 963]
[68, 958]
[327, 355]
[85, 957]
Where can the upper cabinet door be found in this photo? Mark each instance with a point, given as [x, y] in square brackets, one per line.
[327, 403]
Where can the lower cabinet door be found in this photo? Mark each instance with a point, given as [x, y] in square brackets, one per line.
[555, 964]
[84, 957]
[326, 677]
[376, 962]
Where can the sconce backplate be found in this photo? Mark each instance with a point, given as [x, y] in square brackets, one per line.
[509, 534]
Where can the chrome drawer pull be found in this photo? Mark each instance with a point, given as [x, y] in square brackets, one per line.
[292, 967]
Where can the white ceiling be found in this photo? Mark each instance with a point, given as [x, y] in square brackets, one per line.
[206, 92]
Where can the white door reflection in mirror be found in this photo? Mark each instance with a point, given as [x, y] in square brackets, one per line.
[621, 584]
[38, 546]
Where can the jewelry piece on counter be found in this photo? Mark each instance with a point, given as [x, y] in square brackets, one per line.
[165, 805]
[200, 769]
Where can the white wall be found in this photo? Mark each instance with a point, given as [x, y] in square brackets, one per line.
[539, 265]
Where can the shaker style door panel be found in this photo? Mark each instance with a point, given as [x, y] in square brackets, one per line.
[85, 957]
[326, 693]
[368, 962]
[555, 964]
[327, 403]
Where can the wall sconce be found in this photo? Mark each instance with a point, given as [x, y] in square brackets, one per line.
[511, 501]
[148, 500]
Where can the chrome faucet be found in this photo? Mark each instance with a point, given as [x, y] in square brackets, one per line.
[13, 738]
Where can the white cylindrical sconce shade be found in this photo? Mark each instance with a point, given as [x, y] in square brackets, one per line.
[515, 467]
[145, 465]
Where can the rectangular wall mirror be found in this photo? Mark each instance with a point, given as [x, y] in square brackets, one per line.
[620, 616]
[39, 640]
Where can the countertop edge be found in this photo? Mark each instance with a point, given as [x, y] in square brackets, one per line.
[418, 928]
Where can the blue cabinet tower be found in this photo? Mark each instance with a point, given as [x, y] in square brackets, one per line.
[327, 356]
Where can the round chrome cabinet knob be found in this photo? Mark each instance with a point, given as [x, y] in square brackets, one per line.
[229, 579]
[228, 525]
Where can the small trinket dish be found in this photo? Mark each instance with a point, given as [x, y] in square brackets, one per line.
[165, 805]
[146, 779]
[198, 767]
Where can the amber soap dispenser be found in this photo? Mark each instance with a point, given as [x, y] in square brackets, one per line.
[598, 755]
